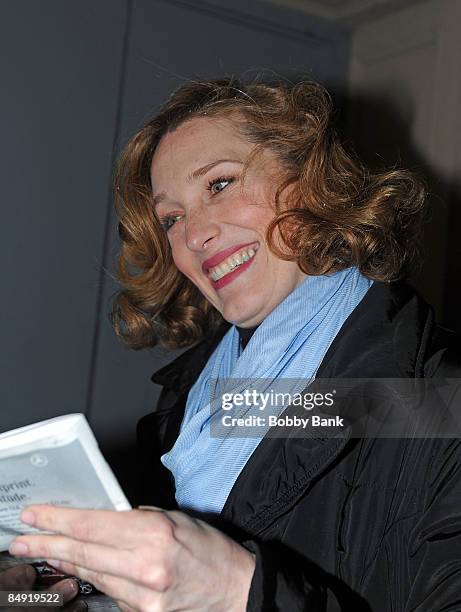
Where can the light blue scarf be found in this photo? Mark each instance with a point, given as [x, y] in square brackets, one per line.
[290, 343]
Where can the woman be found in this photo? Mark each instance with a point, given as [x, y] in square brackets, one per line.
[252, 236]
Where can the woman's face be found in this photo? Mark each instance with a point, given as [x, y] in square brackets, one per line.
[215, 224]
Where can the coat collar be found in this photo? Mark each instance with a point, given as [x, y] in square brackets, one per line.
[386, 336]
[181, 373]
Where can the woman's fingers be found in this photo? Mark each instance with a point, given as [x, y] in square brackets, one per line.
[60, 549]
[135, 540]
[133, 595]
[127, 528]
[23, 578]
[68, 588]
[87, 525]
[147, 559]
[148, 566]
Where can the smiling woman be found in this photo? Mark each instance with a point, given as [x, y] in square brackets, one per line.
[232, 165]
[220, 218]
[250, 235]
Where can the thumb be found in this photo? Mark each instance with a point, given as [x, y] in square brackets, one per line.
[68, 588]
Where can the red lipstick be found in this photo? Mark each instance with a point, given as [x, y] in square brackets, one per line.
[222, 255]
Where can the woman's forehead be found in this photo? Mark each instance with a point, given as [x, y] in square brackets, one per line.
[199, 141]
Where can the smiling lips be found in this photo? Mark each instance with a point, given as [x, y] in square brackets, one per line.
[232, 262]
[225, 262]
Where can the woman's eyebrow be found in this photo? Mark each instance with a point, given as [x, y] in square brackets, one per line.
[204, 169]
[196, 174]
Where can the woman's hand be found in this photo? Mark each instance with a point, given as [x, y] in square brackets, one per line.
[145, 559]
[23, 577]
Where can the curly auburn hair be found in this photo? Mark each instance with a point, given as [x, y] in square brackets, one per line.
[340, 214]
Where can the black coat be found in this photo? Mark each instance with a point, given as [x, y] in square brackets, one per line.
[340, 524]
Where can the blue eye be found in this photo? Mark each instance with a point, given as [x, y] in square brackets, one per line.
[167, 223]
[219, 184]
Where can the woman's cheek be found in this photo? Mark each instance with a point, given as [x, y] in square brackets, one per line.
[178, 250]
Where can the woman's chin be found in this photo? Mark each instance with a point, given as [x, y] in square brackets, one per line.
[244, 315]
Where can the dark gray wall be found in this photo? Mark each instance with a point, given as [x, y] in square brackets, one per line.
[60, 67]
[78, 80]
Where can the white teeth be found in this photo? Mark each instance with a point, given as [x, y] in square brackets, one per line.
[231, 263]
[236, 260]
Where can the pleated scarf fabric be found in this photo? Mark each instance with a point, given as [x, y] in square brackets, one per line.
[290, 344]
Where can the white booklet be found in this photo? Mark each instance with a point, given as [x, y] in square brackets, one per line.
[57, 461]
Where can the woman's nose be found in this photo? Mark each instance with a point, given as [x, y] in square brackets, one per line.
[200, 228]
